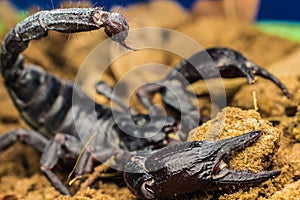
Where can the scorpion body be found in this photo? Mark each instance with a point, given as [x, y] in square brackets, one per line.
[64, 118]
[59, 109]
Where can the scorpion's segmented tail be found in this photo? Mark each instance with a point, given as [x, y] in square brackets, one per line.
[62, 20]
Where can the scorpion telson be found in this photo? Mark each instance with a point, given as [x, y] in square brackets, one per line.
[115, 26]
[63, 116]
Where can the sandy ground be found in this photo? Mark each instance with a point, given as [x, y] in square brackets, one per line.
[278, 148]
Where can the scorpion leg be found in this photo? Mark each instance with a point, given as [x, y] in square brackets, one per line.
[51, 150]
[88, 158]
[32, 138]
[104, 89]
[140, 119]
[175, 96]
[145, 93]
[60, 146]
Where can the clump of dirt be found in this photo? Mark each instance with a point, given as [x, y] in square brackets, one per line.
[292, 127]
[63, 54]
[289, 145]
[233, 122]
[260, 156]
[106, 191]
[270, 100]
[290, 191]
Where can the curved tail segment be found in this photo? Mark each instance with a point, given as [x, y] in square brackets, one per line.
[62, 20]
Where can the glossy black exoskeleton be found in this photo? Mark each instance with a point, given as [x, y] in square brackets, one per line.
[64, 118]
[190, 166]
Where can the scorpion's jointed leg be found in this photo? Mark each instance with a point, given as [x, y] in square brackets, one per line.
[140, 119]
[187, 113]
[61, 146]
[52, 151]
[176, 97]
[145, 93]
[193, 166]
[30, 137]
[104, 89]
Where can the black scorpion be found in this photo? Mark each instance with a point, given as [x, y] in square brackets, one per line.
[64, 118]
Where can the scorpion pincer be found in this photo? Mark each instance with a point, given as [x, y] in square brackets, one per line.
[190, 166]
[62, 124]
[202, 65]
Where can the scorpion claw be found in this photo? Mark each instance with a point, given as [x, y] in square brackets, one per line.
[265, 74]
[234, 64]
[250, 77]
[238, 142]
[231, 177]
[225, 177]
[197, 165]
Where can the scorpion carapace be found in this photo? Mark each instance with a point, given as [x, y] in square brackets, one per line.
[64, 118]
